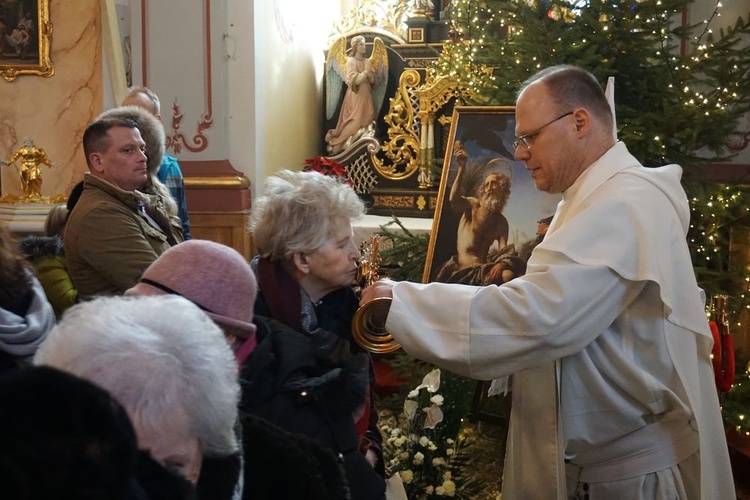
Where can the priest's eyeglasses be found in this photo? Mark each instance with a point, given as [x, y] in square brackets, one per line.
[528, 139]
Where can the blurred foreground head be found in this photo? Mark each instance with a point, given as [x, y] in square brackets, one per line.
[63, 438]
[166, 362]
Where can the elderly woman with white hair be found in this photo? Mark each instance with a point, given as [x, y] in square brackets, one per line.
[311, 378]
[166, 362]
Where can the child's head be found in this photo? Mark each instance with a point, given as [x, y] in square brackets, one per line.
[54, 225]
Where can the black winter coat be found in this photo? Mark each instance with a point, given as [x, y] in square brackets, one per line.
[287, 381]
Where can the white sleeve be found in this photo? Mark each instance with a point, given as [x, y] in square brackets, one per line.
[553, 311]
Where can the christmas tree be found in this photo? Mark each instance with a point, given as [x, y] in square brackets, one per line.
[681, 90]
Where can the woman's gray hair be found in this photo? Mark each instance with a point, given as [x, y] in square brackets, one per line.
[299, 212]
[161, 357]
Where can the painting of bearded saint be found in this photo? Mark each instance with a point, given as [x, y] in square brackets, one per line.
[489, 215]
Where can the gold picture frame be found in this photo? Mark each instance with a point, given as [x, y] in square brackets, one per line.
[484, 136]
[25, 37]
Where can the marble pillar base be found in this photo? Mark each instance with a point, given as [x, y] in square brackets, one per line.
[24, 218]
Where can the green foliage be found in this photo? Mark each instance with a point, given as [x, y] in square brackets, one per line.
[735, 404]
[405, 258]
[457, 390]
[671, 107]
[422, 438]
[719, 213]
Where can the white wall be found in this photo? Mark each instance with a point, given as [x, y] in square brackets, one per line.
[266, 67]
[242, 91]
[290, 38]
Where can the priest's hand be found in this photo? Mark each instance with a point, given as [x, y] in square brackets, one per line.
[381, 288]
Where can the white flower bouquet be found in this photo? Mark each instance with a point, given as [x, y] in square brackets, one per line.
[417, 447]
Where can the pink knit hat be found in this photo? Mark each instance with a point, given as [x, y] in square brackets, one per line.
[213, 276]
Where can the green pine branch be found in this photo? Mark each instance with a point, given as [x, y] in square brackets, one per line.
[405, 258]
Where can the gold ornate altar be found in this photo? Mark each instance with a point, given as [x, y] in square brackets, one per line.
[398, 170]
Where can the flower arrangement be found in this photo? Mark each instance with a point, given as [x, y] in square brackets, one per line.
[326, 166]
[428, 459]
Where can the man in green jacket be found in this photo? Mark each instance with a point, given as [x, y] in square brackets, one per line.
[114, 231]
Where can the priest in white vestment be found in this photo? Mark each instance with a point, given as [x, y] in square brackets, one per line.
[604, 338]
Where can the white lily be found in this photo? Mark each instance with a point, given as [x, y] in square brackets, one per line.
[434, 416]
[431, 381]
[410, 408]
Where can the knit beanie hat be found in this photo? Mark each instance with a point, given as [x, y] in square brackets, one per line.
[213, 276]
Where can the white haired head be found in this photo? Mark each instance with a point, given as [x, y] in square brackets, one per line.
[161, 357]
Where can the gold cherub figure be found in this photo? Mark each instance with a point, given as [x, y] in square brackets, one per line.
[30, 169]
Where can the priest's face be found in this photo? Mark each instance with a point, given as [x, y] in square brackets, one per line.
[547, 142]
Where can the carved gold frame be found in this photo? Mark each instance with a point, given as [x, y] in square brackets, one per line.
[42, 66]
[411, 150]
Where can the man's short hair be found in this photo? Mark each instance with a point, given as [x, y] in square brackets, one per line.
[150, 95]
[574, 87]
[95, 138]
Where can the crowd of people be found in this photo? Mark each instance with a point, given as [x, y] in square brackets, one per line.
[138, 364]
[207, 399]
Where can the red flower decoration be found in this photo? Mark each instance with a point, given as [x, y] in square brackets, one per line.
[326, 166]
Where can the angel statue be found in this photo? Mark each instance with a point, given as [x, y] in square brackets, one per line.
[365, 79]
[30, 170]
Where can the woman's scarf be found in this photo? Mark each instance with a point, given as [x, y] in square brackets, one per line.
[20, 336]
[290, 304]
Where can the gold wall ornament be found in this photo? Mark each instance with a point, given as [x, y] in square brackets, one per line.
[225, 182]
[30, 171]
[408, 151]
[25, 47]
[388, 16]
[393, 201]
[402, 145]
[432, 96]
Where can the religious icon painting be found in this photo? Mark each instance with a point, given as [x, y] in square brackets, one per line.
[489, 215]
[25, 34]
